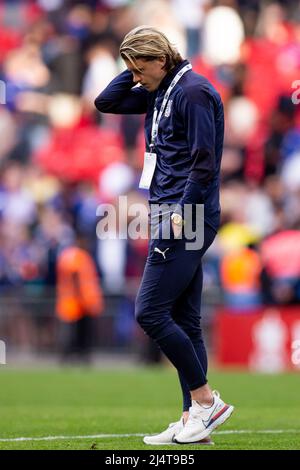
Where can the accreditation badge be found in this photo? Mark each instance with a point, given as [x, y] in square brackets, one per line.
[148, 170]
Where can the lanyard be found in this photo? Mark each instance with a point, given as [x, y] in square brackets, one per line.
[157, 115]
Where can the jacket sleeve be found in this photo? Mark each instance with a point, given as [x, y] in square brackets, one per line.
[119, 97]
[198, 116]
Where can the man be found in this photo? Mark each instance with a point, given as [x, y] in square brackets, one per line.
[79, 299]
[184, 129]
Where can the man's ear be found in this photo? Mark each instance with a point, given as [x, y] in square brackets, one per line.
[162, 61]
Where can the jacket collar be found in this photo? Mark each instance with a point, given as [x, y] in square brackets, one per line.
[169, 77]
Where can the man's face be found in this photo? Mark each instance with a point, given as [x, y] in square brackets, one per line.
[150, 73]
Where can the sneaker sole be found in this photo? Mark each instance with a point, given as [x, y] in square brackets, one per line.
[220, 420]
[149, 443]
[208, 443]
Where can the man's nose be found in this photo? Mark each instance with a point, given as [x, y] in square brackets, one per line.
[136, 77]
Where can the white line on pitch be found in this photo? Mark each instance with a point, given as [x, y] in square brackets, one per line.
[54, 438]
[260, 431]
[108, 436]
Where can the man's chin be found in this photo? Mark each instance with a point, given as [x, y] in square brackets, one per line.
[150, 88]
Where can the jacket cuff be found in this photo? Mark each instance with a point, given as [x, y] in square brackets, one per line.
[193, 194]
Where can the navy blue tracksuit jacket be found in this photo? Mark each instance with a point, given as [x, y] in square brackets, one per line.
[190, 137]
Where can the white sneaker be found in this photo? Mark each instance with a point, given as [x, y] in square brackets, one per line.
[167, 436]
[202, 421]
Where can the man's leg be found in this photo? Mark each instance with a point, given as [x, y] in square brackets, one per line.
[160, 287]
[166, 278]
[186, 313]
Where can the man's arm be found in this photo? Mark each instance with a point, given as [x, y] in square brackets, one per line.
[198, 115]
[119, 97]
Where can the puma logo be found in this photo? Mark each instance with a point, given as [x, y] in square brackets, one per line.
[161, 252]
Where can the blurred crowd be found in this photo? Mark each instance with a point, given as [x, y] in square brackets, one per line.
[60, 158]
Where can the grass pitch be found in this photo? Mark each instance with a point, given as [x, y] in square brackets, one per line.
[65, 406]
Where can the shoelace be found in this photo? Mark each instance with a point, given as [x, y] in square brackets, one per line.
[171, 425]
[193, 416]
[177, 423]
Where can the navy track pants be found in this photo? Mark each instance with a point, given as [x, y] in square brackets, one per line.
[168, 307]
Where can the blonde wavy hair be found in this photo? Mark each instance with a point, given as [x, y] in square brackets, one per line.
[148, 43]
